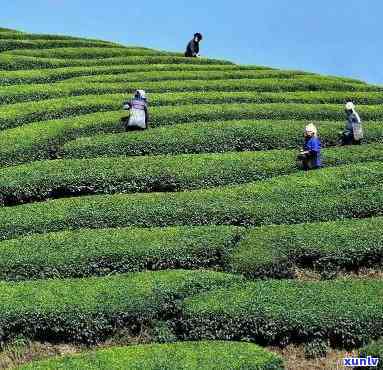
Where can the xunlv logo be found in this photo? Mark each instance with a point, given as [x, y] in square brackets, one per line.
[362, 362]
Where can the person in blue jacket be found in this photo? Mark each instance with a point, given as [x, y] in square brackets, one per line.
[311, 153]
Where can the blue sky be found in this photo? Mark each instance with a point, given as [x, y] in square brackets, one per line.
[336, 37]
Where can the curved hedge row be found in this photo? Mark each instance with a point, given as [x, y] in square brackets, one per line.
[16, 62]
[242, 135]
[26, 93]
[13, 94]
[108, 251]
[274, 251]
[59, 74]
[175, 356]
[61, 178]
[213, 97]
[343, 192]
[269, 251]
[41, 140]
[88, 52]
[107, 77]
[170, 115]
[90, 310]
[347, 313]
[300, 83]
[303, 97]
[6, 45]
[190, 75]
[21, 113]
[19, 93]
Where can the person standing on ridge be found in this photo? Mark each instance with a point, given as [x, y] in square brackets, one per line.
[192, 49]
[310, 155]
[139, 114]
[353, 133]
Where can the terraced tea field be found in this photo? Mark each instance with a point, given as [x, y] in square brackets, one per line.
[197, 244]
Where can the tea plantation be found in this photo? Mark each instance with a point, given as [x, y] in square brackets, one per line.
[200, 232]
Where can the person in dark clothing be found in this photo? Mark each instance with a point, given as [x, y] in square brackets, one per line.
[192, 49]
[353, 133]
[310, 155]
[139, 113]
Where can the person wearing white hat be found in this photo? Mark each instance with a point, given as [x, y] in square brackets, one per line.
[310, 156]
[353, 133]
[139, 114]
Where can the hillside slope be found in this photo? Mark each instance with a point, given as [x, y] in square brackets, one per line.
[166, 231]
